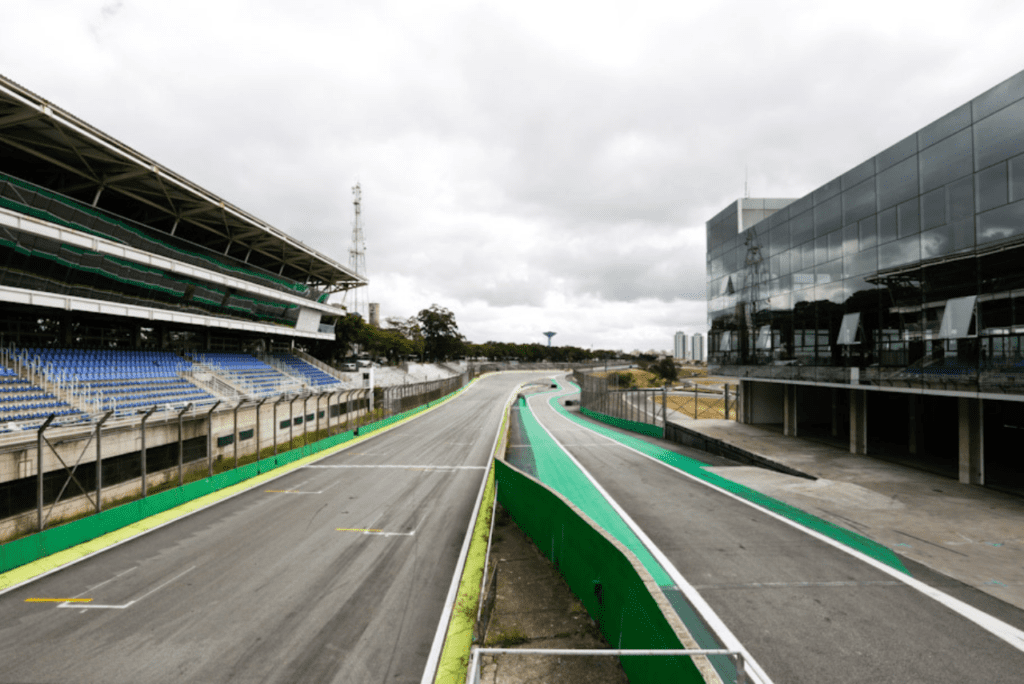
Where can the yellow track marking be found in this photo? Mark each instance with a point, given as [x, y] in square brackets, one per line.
[57, 600]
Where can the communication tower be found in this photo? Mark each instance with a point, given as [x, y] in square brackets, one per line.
[357, 254]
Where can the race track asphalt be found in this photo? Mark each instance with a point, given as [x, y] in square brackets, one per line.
[335, 572]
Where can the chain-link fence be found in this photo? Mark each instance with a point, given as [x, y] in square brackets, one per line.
[706, 399]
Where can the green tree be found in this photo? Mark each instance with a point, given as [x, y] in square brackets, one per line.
[666, 368]
[441, 337]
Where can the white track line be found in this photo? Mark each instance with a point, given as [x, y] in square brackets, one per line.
[991, 624]
[717, 625]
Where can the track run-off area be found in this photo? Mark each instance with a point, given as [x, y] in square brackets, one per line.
[802, 606]
[337, 571]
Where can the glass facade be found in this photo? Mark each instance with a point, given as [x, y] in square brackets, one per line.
[907, 270]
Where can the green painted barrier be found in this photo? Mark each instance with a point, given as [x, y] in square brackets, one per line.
[631, 425]
[55, 539]
[600, 575]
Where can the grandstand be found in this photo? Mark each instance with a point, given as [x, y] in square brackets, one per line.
[128, 288]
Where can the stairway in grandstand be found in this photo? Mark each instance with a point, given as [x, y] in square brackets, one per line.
[25, 405]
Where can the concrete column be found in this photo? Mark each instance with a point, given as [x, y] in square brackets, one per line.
[972, 441]
[858, 421]
[789, 418]
[915, 424]
[742, 403]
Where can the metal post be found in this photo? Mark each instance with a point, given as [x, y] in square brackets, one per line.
[181, 445]
[291, 421]
[282, 398]
[725, 389]
[258, 405]
[664, 408]
[39, 470]
[99, 463]
[305, 421]
[209, 440]
[142, 455]
[695, 400]
[235, 438]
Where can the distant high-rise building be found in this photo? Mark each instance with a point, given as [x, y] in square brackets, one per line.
[374, 310]
[680, 352]
[698, 347]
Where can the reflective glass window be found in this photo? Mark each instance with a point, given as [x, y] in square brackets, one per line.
[835, 245]
[909, 218]
[858, 174]
[829, 272]
[904, 251]
[887, 231]
[859, 201]
[999, 136]
[960, 199]
[937, 242]
[784, 261]
[956, 120]
[963, 233]
[861, 263]
[779, 236]
[851, 243]
[779, 217]
[821, 249]
[1010, 90]
[807, 256]
[1002, 223]
[801, 228]
[1017, 178]
[801, 205]
[826, 216]
[867, 231]
[897, 153]
[946, 161]
[991, 187]
[848, 329]
[933, 209]
[898, 183]
[830, 189]
[956, 318]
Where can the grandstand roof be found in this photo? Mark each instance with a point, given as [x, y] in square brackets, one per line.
[55, 148]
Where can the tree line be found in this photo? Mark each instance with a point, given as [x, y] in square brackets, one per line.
[431, 336]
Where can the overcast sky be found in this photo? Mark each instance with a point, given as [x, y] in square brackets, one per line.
[530, 165]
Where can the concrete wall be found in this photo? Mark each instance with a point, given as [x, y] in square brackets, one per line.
[762, 402]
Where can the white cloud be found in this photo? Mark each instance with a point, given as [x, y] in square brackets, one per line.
[531, 165]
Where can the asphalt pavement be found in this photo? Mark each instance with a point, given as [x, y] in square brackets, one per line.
[335, 572]
[806, 610]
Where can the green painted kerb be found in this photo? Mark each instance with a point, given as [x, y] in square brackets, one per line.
[459, 639]
[632, 425]
[695, 468]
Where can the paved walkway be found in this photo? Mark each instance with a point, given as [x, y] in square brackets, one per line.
[969, 533]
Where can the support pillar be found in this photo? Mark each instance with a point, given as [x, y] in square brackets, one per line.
[858, 421]
[789, 411]
[972, 441]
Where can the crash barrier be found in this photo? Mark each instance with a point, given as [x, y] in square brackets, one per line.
[631, 425]
[601, 575]
[55, 539]
[637, 410]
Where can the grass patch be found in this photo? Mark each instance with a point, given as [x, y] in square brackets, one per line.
[508, 636]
